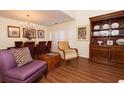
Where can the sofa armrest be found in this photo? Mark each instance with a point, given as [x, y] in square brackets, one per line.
[1, 71]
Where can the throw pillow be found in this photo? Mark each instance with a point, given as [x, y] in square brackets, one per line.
[22, 56]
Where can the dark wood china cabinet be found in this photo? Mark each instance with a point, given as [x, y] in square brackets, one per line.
[107, 39]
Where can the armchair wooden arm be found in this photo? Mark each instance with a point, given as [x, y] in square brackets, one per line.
[74, 49]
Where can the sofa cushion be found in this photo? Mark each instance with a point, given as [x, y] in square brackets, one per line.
[22, 56]
[22, 73]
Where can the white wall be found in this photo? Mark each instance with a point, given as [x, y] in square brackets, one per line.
[64, 31]
[5, 41]
[70, 30]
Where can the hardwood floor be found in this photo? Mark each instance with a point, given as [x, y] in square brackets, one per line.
[84, 72]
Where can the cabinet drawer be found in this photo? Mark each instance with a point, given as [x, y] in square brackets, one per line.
[121, 48]
[99, 46]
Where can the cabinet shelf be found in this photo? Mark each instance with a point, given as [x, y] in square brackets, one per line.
[110, 29]
[118, 36]
[117, 28]
[100, 30]
[100, 36]
[107, 36]
[104, 44]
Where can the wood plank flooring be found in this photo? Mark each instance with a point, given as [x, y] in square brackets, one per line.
[84, 72]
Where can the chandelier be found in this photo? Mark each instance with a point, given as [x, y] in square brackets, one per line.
[28, 26]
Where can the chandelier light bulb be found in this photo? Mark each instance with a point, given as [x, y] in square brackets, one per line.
[28, 25]
[34, 25]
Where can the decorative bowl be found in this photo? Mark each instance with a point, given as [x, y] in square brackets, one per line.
[120, 41]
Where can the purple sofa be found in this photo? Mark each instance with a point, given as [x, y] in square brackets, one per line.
[10, 73]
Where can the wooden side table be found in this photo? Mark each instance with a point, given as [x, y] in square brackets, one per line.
[53, 59]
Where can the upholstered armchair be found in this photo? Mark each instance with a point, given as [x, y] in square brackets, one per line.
[66, 52]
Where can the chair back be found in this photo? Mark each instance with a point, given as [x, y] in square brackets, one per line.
[49, 43]
[63, 45]
[29, 44]
[42, 43]
[18, 44]
[42, 46]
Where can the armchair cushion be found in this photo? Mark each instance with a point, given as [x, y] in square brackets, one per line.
[24, 72]
[70, 50]
[69, 54]
[22, 56]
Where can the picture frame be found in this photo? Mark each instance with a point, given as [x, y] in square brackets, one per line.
[32, 33]
[41, 34]
[83, 32]
[13, 31]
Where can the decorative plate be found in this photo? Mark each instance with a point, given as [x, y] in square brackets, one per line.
[96, 33]
[115, 25]
[105, 26]
[115, 32]
[104, 33]
[96, 27]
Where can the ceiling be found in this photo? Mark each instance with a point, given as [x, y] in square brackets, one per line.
[41, 17]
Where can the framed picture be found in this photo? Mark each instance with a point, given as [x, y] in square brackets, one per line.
[83, 33]
[13, 31]
[41, 34]
[32, 33]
